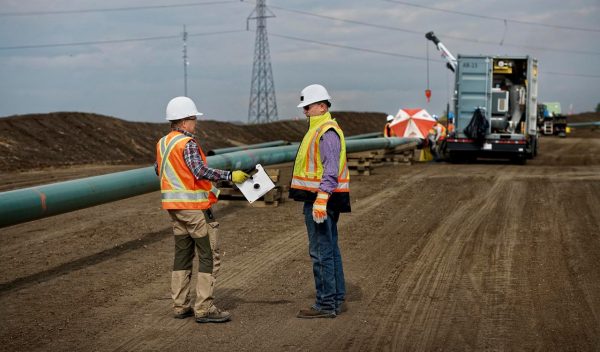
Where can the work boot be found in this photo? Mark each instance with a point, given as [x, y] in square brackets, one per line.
[343, 308]
[313, 313]
[181, 313]
[214, 315]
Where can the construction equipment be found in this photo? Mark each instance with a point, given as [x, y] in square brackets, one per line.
[446, 54]
[550, 119]
[495, 104]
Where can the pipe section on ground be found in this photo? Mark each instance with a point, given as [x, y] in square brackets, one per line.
[38, 202]
[246, 147]
[365, 135]
[583, 124]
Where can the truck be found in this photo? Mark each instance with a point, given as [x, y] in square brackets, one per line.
[497, 96]
[551, 121]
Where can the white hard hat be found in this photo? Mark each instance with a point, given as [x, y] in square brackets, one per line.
[312, 94]
[435, 116]
[390, 118]
[180, 108]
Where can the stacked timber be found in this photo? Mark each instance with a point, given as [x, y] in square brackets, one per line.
[363, 163]
[400, 155]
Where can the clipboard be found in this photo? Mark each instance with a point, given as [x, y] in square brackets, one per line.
[256, 185]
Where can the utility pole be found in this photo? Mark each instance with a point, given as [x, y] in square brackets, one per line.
[185, 62]
[263, 105]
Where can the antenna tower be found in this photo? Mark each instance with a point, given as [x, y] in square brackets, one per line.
[263, 105]
[185, 62]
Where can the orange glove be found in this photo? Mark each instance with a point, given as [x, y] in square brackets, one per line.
[319, 212]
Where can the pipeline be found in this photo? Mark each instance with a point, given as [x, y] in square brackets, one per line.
[246, 147]
[38, 202]
[365, 135]
[584, 124]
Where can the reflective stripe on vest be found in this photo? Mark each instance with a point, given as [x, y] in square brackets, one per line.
[179, 188]
[308, 167]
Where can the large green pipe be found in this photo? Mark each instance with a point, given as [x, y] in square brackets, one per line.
[246, 147]
[37, 202]
[365, 135]
[584, 124]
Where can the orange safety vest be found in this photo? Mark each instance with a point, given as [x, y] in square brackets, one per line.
[443, 133]
[450, 128]
[179, 187]
[387, 130]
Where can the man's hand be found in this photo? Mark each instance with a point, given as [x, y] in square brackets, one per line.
[319, 212]
[239, 176]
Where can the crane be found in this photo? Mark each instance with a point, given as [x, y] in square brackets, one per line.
[451, 64]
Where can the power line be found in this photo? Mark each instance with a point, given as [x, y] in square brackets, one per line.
[402, 55]
[306, 13]
[114, 9]
[420, 33]
[347, 20]
[113, 41]
[495, 18]
[350, 47]
[372, 51]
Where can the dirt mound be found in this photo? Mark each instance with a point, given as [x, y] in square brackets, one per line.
[73, 138]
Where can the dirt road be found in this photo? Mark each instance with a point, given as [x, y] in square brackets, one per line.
[486, 256]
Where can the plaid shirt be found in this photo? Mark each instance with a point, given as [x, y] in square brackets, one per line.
[194, 162]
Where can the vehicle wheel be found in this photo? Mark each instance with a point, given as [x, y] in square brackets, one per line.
[520, 159]
[531, 152]
[455, 158]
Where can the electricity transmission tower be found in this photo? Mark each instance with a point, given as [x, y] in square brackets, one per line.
[263, 105]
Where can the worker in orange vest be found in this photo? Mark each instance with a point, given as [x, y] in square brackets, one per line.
[387, 130]
[437, 134]
[187, 194]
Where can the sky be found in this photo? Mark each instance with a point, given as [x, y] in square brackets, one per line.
[124, 58]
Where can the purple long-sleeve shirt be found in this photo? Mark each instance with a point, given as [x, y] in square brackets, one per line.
[330, 148]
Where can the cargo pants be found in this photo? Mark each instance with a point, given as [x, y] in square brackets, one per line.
[192, 235]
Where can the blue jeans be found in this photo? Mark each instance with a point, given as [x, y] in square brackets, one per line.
[327, 260]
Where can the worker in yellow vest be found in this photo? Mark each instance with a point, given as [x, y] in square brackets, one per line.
[321, 180]
[387, 130]
[187, 194]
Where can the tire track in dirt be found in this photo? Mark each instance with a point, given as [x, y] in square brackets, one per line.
[243, 275]
[429, 277]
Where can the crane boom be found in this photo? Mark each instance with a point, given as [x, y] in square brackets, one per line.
[451, 64]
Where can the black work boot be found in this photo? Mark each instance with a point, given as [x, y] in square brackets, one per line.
[313, 313]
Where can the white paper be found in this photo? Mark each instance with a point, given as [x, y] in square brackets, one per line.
[256, 186]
